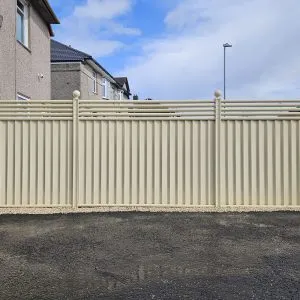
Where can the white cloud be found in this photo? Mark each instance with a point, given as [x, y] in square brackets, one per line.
[102, 9]
[119, 29]
[93, 27]
[187, 62]
[94, 47]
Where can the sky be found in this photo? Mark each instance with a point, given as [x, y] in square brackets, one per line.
[173, 49]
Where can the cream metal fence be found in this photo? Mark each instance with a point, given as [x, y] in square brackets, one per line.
[150, 154]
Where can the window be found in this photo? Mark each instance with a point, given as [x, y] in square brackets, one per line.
[22, 22]
[105, 86]
[94, 82]
[22, 97]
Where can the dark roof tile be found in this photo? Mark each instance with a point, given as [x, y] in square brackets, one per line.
[121, 80]
[61, 52]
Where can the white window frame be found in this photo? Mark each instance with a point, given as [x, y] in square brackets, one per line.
[25, 13]
[94, 82]
[22, 97]
[105, 85]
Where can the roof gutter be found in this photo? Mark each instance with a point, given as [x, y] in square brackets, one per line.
[95, 65]
[46, 12]
[51, 12]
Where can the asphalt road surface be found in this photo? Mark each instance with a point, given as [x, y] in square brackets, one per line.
[150, 256]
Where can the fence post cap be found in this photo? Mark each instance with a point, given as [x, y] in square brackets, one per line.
[218, 94]
[76, 94]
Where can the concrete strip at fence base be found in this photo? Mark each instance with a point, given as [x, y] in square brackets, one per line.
[107, 209]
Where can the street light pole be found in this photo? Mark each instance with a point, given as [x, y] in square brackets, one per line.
[225, 46]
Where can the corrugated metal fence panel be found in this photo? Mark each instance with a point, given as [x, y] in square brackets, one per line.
[35, 163]
[146, 153]
[35, 154]
[260, 163]
[146, 163]
[150, 153]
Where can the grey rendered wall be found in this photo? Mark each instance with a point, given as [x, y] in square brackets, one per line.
[7, 50]
[87, 84]
[36, 61]
[20, 66]
[65, 79]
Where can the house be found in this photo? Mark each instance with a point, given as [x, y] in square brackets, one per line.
[124, 84]
[72, 69]
[25, 32]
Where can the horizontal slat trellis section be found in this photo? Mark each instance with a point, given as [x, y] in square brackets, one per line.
[151, 110]
[36, 110]
[263, 110]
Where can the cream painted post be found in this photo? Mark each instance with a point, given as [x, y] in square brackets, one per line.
[217, 99]
[76, 96]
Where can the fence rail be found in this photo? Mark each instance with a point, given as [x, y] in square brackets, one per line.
[80, 153]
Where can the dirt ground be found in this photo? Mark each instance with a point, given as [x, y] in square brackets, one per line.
[150, 256]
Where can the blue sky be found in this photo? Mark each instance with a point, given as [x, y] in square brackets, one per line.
[172, 49]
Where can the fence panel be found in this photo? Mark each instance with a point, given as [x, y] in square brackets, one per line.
[150, 154]
[146, 154]
[260, 153]
[35, 154]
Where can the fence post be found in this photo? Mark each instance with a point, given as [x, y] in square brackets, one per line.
[76, 96]
[217, 99]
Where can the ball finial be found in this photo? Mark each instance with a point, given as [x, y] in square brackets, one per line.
[76, 94]
[218, 94]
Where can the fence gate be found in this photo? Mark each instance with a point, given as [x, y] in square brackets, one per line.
[150, 154]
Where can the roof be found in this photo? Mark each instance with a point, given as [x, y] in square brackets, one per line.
[121, 81]
[63, 53]
[44, 9]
